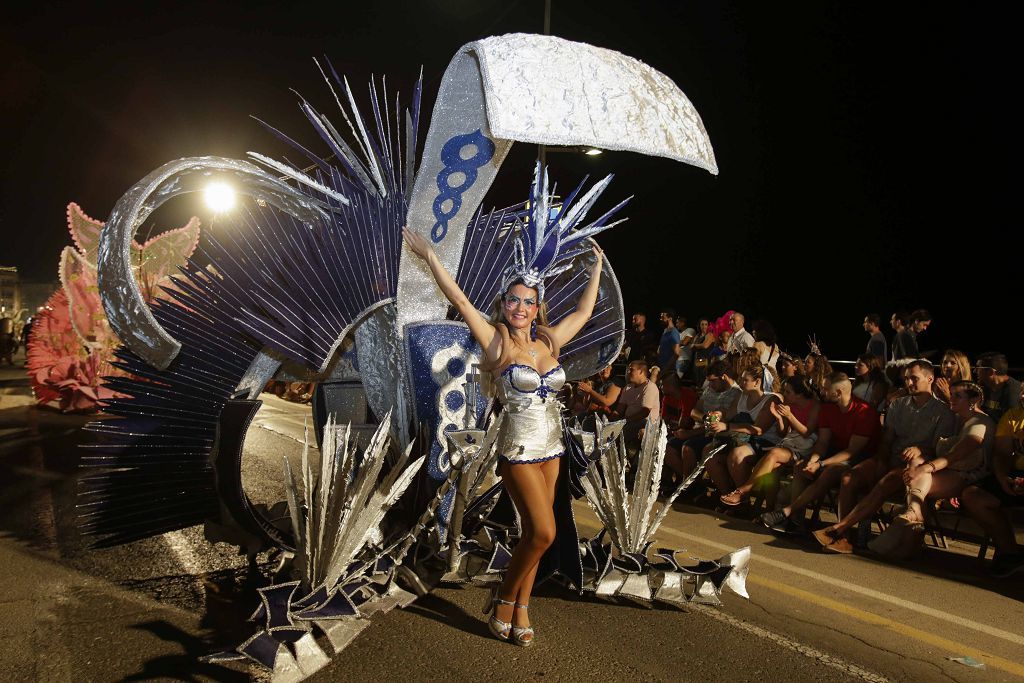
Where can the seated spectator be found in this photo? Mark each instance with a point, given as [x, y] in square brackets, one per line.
[870, 384]
[1003, 488]
[788, 366]
[602, 391]
[639, 402]
[766, 344]
[818, 370]
[959, 461]
[686, 444]
[847, 434]
[684, 349]
[797, 424]
[955, 367]
[913, 426]
[677, 402]
[746, 418]
[750, 358]
[1002, 391]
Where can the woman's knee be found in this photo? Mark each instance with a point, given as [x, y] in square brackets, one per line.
[542, 536]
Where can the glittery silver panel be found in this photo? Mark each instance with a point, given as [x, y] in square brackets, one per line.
[129, 316]
[548, 90]
[380, 366]
[458, 115]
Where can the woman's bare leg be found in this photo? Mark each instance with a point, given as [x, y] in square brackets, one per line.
[941, 484]
[718, 470]
[533, 496]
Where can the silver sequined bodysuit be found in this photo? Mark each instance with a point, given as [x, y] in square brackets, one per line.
[532, 431]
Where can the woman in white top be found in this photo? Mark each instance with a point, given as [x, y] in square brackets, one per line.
[959, 461]
[748, 417]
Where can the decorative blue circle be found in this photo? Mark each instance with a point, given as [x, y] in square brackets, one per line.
[454, 400]
[451, 427]
[456, 367]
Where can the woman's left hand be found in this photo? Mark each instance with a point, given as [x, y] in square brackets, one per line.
[417, 243]
[912, 473]
[598, 258]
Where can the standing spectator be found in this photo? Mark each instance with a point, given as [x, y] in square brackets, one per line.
[1003, 391]
[669, 343]
[876, 342]
[684, 350]
[1003, 488]
[639, 339]
[702, 344]
[766, 344]
[955, 367]
[904, 345]
[639, 402]
[741, 339]
[870, 384]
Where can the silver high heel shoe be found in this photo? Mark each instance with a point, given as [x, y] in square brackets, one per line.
[522, 635]
[499, 629]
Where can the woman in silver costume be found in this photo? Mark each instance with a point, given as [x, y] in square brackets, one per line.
[522, 352]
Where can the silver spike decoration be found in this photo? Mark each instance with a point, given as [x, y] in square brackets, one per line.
[344, 574]
[622, 567]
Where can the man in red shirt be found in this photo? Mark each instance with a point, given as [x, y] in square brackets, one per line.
[848, 430]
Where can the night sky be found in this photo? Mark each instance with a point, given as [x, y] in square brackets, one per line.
[865, 151]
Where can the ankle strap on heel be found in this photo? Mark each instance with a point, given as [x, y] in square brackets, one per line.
[521, 606]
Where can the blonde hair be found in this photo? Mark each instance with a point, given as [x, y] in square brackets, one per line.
[508, 342]
[963, 363]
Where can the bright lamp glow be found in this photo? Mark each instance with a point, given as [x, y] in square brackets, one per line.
[220, 197]
[593, 152]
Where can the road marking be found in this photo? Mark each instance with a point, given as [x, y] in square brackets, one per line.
[863, 615]
[868, 592]
[790, 644]
[872, 618]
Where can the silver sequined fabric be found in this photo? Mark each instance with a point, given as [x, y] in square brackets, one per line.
[532, 431]
[548, 90]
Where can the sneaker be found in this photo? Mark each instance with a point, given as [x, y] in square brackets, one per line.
[1006, 566]
[773, 519]
[841, 546]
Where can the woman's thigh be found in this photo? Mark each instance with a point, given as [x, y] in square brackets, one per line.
[946, 484]
[531, 492]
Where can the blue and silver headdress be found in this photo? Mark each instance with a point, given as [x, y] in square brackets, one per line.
[547, 242]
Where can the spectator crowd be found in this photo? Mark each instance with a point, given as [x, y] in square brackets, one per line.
[896, 432]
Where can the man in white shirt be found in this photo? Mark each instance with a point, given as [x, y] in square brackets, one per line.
[740, 339]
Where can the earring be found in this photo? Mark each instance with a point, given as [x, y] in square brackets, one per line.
[533, 330]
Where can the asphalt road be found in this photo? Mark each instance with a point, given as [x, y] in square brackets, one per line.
[148, 610]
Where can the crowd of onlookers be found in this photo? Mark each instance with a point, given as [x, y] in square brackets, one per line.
[895, 428]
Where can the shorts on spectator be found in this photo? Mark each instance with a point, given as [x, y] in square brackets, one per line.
[990, 484]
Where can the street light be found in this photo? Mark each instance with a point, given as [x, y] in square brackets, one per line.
[219, 197]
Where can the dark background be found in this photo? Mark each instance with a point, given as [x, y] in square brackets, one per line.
[865, 150]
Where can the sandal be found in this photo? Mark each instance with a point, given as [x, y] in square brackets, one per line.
[522, 635]
[734, 499]
[499, 629]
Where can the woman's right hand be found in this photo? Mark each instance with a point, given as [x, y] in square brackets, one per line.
[417, 243]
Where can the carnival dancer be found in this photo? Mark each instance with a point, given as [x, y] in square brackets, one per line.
[522, 353]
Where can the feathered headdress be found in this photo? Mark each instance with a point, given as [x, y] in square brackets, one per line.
[548, 241]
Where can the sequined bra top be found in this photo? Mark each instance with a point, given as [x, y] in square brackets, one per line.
[521, 386]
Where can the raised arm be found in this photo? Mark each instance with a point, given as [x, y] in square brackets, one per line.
[571, 324]
[483, 331]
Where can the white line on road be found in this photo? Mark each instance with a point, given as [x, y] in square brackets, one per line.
[790, 644]
[868, 592]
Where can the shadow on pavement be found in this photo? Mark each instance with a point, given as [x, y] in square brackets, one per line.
[185, 666]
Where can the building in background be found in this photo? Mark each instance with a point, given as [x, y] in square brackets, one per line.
[10, 292]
